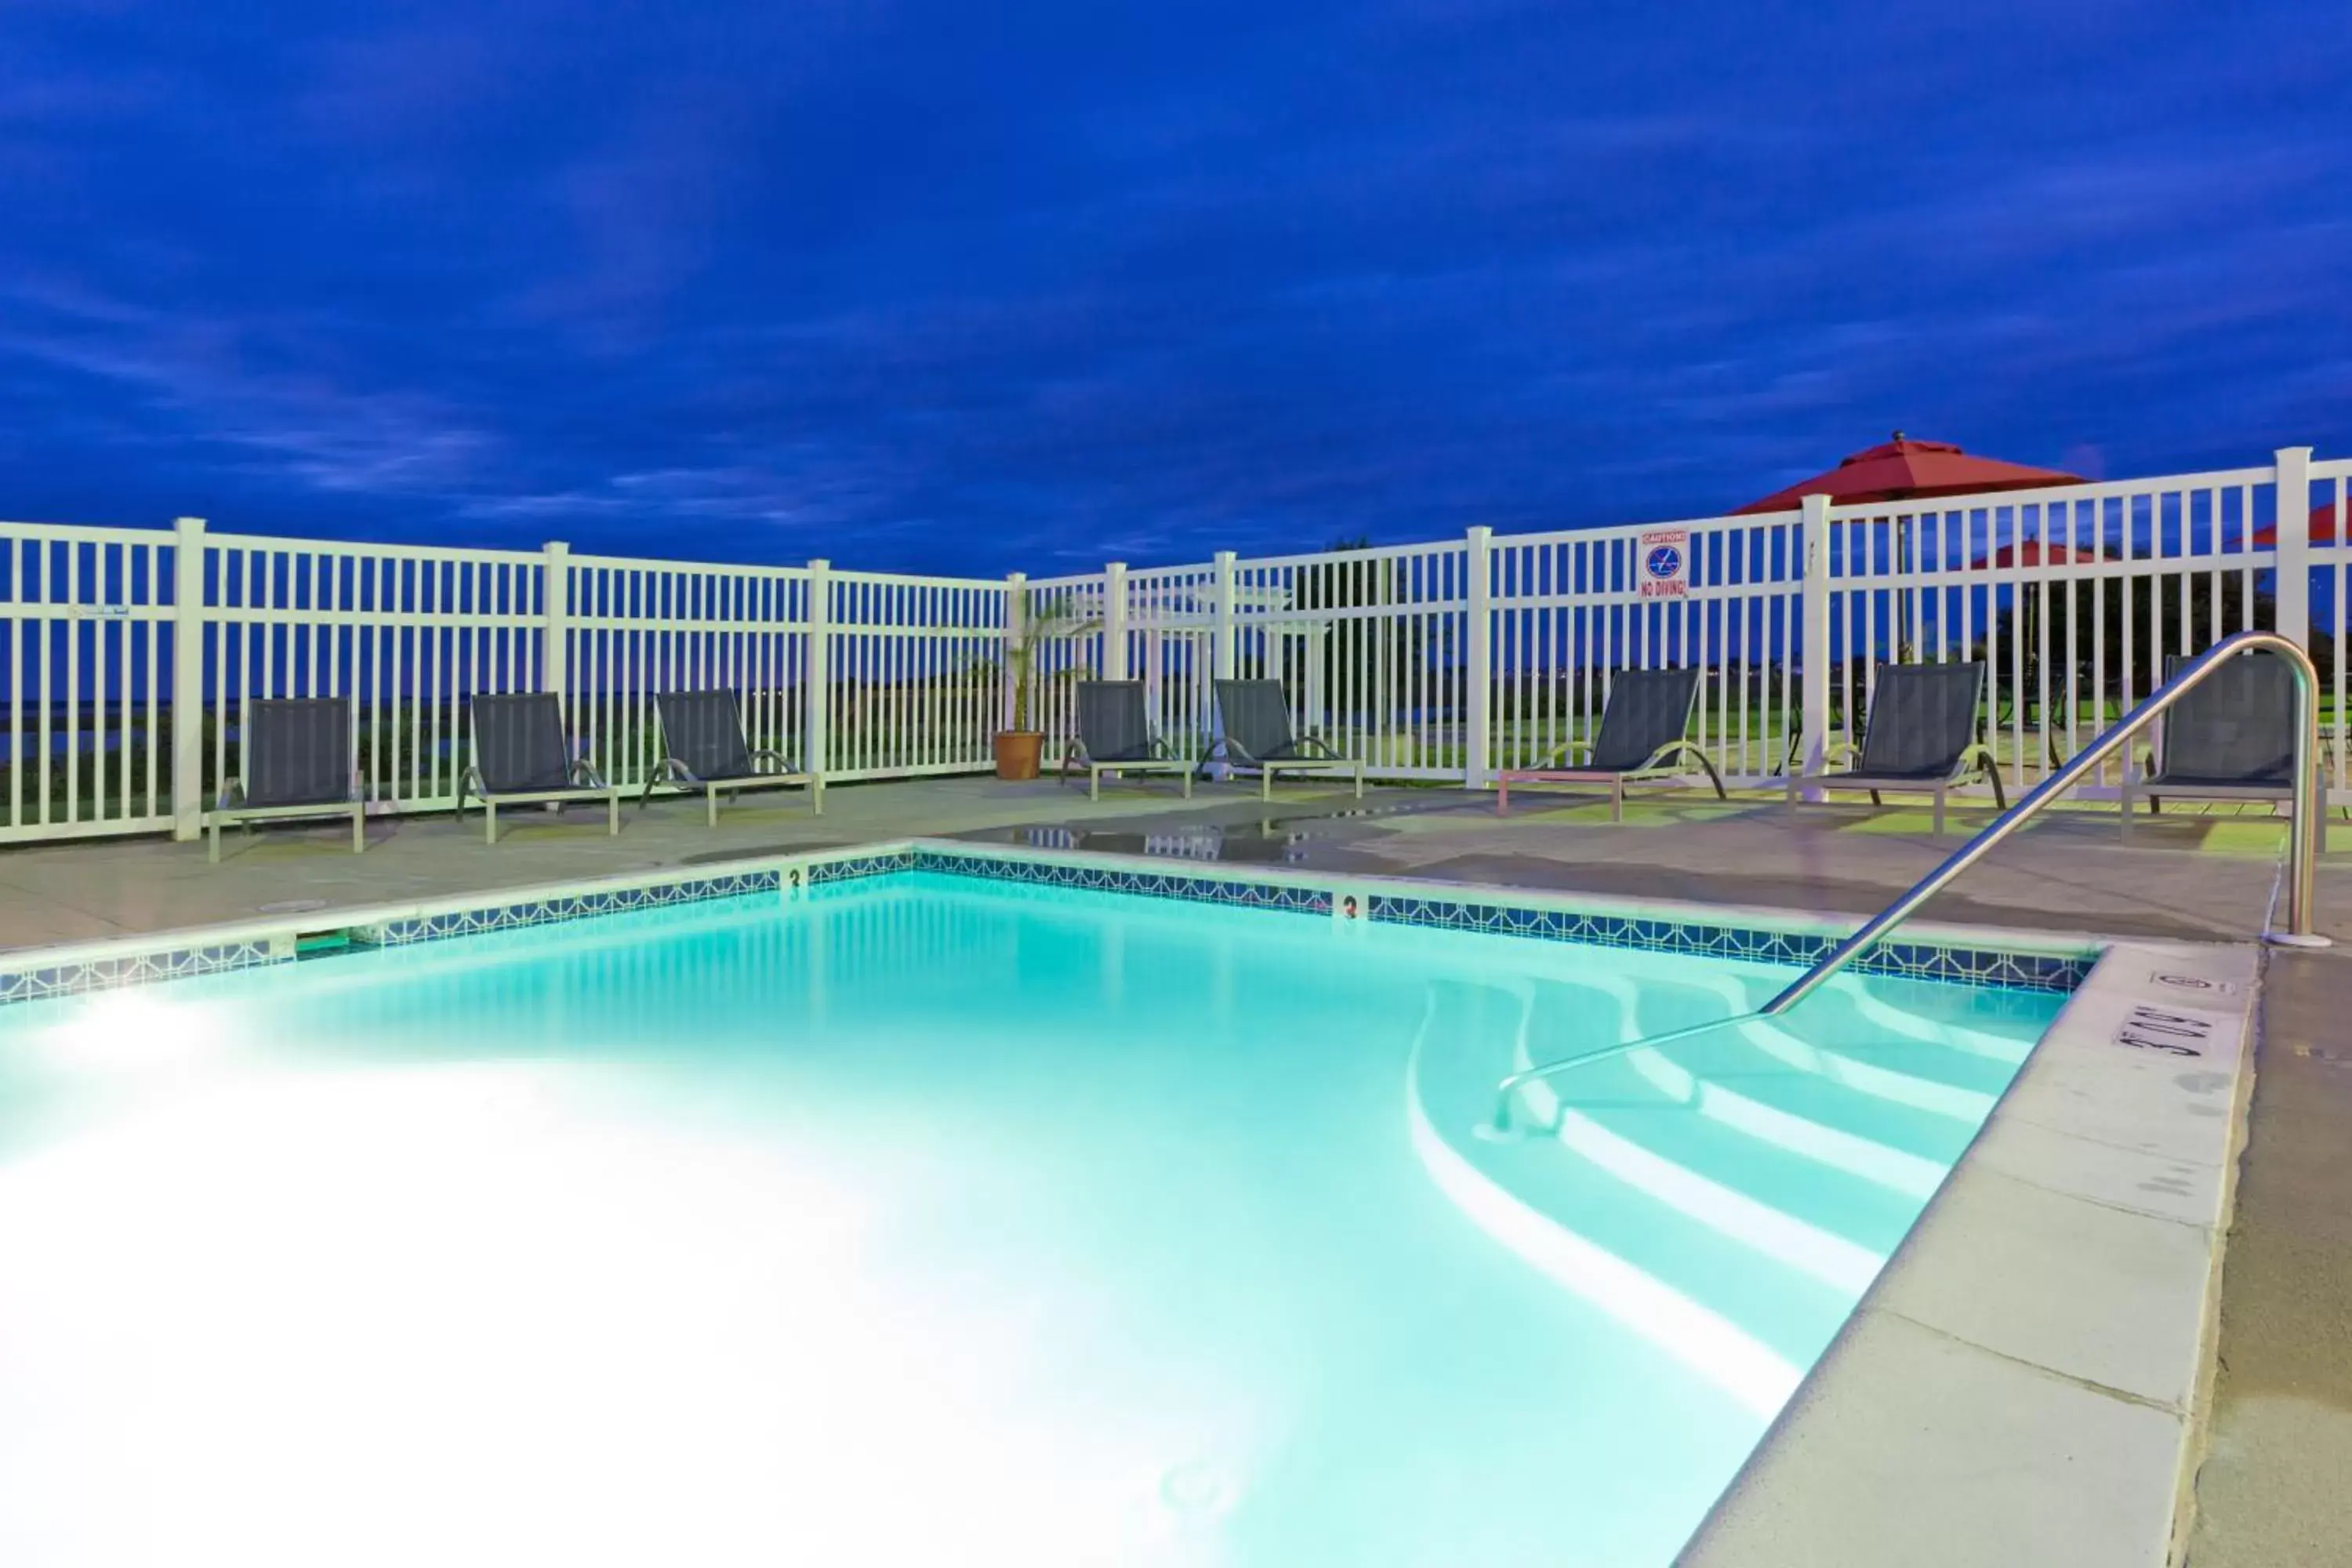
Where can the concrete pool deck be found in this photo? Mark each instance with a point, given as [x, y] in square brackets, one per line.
[2191, 878]
[2281, 1419]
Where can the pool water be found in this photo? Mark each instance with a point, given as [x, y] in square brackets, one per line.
[932, 1220]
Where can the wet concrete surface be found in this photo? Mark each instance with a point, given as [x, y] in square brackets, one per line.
[2061, 874]
[2272, 1491]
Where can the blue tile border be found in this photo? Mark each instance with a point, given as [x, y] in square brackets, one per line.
[178, 962]
[1112, 879]
[1977, 966]
[136, 969]
[1921, 961]
[1926, 961]
[568, 907]
[861, 866]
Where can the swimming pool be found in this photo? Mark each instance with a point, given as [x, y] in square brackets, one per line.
[919, 1219]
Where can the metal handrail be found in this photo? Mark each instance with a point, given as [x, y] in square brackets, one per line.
[2303, 846]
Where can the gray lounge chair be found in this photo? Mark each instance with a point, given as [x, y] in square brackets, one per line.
[704, 748]
[2232, 738]
[295, 756]
[1256, 733]
[1920, 737]
[1115, 737]
[522, 757]
[1643, 735]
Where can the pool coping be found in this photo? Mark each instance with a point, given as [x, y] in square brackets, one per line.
[1800, 1496]
[1978, 954]
[2029, 1378]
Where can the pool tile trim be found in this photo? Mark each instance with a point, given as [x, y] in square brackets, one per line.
[2021, 971]
[34, 973]
[2035, 962]
[105, 973]
[1500, 911]
[849, 867]
[407, 929]
[1192, 887]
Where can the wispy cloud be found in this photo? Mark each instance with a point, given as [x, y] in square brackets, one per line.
[202, 382]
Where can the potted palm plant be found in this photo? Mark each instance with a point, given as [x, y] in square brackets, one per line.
[1021, 749]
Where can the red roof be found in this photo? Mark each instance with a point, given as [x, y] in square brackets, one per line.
[2323, 530]
[1903, 469]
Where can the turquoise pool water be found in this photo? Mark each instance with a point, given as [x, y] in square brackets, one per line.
[932, 1220]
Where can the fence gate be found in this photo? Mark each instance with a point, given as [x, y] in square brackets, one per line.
[85, 669]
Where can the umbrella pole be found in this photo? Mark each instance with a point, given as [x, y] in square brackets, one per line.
[1902, 595]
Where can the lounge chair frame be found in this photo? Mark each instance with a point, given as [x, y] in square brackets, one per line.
[263, 718]
[1972, 759]
[1627, 690]
[679, 774]
[1114, 712]
[582, 782]
[2238, 689]
[1255, 702]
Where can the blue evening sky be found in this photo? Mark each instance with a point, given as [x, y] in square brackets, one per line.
[977, 287]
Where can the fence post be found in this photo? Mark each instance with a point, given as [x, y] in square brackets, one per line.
[817, 671]
[2293, 580]
[1816, 633]
[555, 633]
[188, 679]
[1016, 610]
[1114, 621]
[1479, 673]
[1221, 646]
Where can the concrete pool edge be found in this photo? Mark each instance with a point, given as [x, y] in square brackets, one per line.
[1969, 953]
[2028, 1378]
[2044, 960]
[63, 968]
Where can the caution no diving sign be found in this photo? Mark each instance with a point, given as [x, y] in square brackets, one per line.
[1666, 563]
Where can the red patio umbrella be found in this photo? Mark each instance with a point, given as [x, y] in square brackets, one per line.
[2323, 530]
[1903, 469]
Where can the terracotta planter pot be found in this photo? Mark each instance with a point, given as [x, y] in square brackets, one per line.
[1018, 752]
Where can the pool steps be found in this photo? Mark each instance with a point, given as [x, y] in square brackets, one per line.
[1761, 1182]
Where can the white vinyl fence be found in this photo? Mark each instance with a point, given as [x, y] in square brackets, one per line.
[127, 656]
